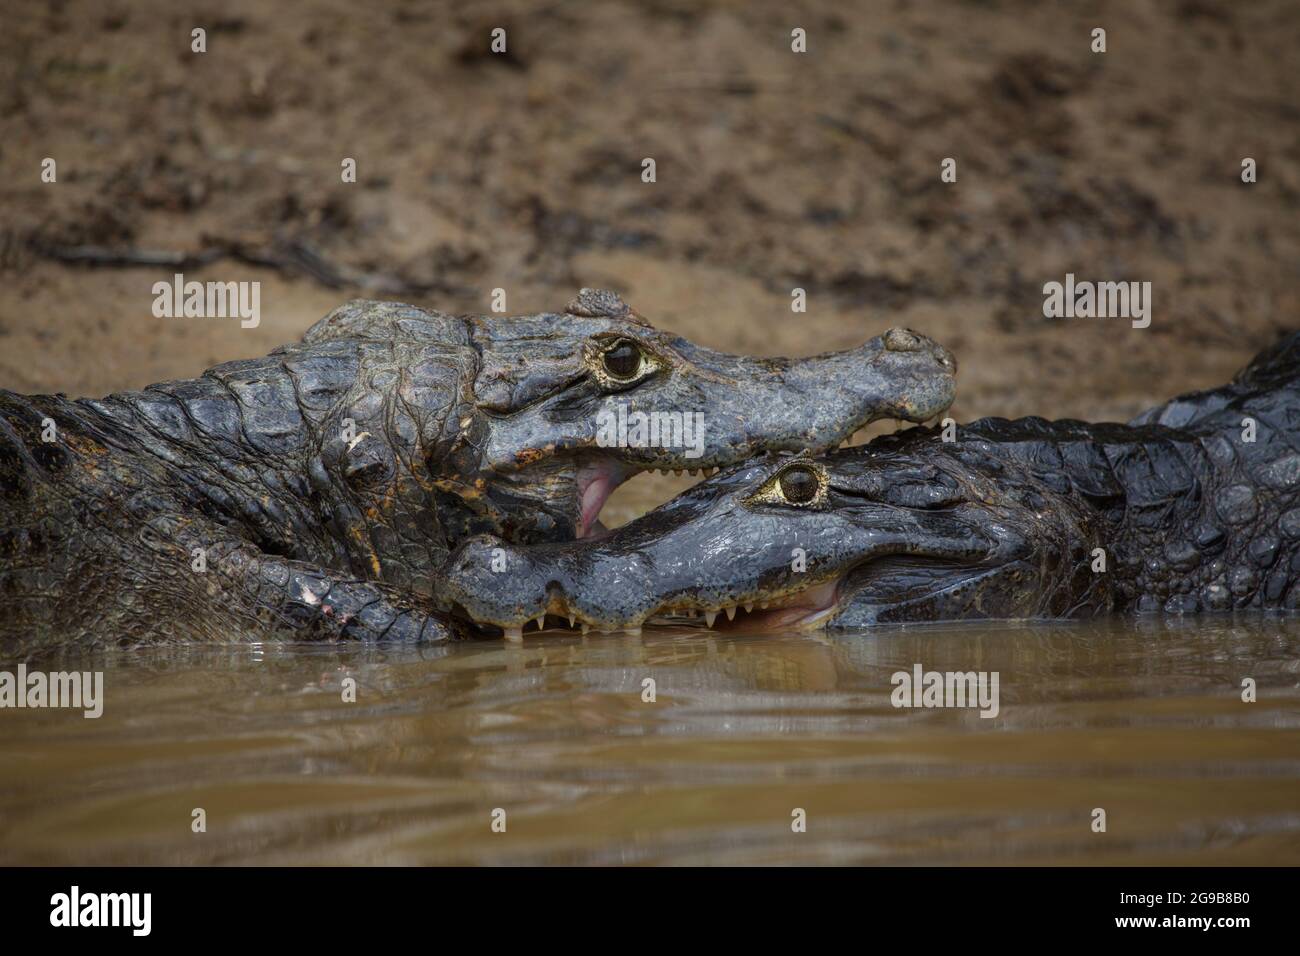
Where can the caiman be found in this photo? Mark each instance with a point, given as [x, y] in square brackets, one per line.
[1194, 506]
[312, 493]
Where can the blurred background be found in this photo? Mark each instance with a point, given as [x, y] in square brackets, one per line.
[775, 170]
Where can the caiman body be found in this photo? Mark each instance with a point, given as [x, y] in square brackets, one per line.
[1192, 507]
[312, 493]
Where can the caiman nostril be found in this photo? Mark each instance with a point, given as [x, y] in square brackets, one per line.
[902, 340]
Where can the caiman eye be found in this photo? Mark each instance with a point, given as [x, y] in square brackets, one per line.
[622, 360]
[799, 485]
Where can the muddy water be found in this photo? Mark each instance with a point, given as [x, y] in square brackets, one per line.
[1145, 721]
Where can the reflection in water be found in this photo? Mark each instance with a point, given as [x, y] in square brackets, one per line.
[1142, 719]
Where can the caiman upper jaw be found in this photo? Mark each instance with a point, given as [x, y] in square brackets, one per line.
[903, 374]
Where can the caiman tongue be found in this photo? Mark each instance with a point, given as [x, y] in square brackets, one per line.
[596, 481]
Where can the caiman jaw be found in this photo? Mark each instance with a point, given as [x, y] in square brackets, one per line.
[806, 609]
[802, 610]
[598, 478]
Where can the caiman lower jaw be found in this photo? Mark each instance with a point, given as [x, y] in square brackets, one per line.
[804, 610]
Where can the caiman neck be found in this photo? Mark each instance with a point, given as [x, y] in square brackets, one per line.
[1209, 521]
[1190, 519]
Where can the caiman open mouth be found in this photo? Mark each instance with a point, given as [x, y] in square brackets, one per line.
[800, 610]
[597, 478]
[883, 581]
[596, 481]
[803, 609]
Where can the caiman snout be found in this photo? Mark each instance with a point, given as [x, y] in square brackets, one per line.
[902, 374]
[905, 340]
[494, 582]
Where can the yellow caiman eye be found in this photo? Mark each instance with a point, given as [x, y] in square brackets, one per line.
[802, 484]
[799, 484]
[622, 360]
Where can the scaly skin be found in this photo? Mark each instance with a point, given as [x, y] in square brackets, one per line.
[312, 493]
[1003, 522]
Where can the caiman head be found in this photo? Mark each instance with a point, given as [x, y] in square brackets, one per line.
[566, 407]
[908, 528]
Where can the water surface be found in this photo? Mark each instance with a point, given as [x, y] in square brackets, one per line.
[1144, 720]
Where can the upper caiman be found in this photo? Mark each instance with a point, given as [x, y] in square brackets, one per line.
[313, 492]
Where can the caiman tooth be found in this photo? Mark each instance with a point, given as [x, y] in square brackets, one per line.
[514, 634]
[749, 609]
[677, 472]
[709, 618]
[572, 618]
[731, 613]
[585, 628]
[541, 622]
